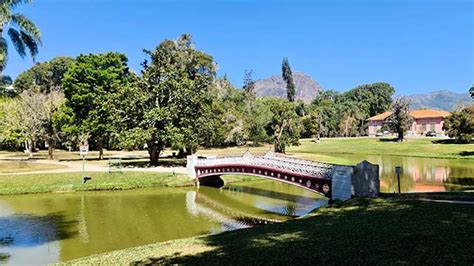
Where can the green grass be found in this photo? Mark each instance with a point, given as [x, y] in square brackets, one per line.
[69, 182]
[414, 147]
[22, 166]
[362, 231]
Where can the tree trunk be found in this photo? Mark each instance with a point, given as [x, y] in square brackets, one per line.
[154, 152]
[400, 136]
[101, 148]
[2, 56]
[50, 149]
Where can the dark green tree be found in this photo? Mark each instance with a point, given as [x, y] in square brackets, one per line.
[460, 125]
[400, 120]
[471, 91]
[287, 76]
[44, 76]
[5, 87]
[170, 102]
[91, 86]
[23, 33]
[284, 126]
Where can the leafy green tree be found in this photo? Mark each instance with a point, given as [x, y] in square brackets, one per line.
[284, 124]
[471, 91]
[91, 86]
[287, 76]
[258, 119]
[400, 120]
[23, 33]
[44, 77]
[460, 125]
[171, 98]
[324, 109]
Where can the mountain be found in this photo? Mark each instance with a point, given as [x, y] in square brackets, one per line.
[306, 88]
[441, 100]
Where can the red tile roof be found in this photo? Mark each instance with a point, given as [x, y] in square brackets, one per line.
[379, 117]
[429, 113]
[424, 113]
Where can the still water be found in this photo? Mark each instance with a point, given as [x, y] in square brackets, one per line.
[41, 229]
[420, 174]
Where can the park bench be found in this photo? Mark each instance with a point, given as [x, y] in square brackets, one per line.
[115, 164]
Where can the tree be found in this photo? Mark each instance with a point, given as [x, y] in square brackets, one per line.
[30, 118]
[471, 91]
[400, 120]
[91, 86]
[23, 33]
[171, 98]
[249, 83]
[44, 76]
[460, 125]
[284, 124]
[5, 86]
[287, 76]
[258, 119]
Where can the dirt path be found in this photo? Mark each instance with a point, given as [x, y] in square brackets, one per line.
[76, 166]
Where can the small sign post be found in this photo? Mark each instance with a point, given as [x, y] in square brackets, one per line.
[83, 149]
[398, 170]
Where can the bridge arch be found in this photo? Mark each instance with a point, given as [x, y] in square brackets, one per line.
[316, 177]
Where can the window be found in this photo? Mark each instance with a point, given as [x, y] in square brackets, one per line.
[423, 127]
[432, 126]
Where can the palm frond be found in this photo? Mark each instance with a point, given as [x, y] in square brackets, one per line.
[14, 3]
[17, 41]
[26, 25]
[3, 53]
[30, 43]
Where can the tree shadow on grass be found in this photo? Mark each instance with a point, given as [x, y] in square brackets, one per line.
[444, 141]
[388, 140]
[369, 232]
[166, 162]
[467, 153]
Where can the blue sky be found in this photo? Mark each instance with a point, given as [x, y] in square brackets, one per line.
[416, 45]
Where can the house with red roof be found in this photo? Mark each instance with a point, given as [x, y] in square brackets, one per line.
[424, 120]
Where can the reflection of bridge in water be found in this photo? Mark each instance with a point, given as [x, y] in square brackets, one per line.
[198, 203]
[332, 181]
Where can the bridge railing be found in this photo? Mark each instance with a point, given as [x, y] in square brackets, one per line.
[270, 160]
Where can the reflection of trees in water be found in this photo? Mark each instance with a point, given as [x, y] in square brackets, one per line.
[28, 230]
[4, 258]
[291, 208]
[419, 174]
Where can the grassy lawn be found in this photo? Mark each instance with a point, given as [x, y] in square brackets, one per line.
[69, 182]
[7, 167]
[362, 231]
[415, 147]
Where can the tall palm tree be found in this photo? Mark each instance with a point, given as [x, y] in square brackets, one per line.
[23, 33]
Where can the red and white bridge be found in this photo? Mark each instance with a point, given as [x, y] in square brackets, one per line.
[332, 181]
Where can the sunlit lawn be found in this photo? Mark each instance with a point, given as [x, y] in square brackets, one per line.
[416, 147]
[69, 182]
[23, 166]
[363, 231]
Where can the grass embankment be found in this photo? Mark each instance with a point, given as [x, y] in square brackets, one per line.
[413, 147]
[362, 231]
[69, 182]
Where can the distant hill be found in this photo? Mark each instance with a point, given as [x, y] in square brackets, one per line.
[306, 88]
[441, 100]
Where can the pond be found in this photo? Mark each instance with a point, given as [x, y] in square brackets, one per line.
[47, 228]
[420, 174]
